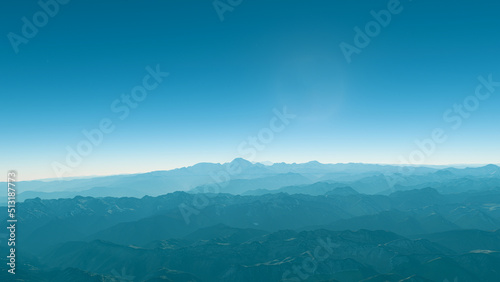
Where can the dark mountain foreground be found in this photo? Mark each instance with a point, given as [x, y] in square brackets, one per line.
[340, 235]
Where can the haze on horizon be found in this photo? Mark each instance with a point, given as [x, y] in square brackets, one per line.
[266, 163]
[227, 79]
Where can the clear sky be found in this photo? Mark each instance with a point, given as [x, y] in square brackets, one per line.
[226, 77]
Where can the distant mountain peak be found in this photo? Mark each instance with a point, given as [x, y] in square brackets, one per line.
[491, 166]
[242, 163]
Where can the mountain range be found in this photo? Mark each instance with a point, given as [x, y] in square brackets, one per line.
[243, 177]
[339, 235]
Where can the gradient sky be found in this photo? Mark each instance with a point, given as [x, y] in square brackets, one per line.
[226, 77]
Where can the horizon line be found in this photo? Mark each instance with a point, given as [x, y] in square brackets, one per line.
[265, 163]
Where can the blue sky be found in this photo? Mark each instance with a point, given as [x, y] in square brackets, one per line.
[226, 77]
